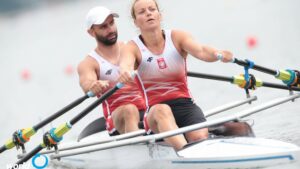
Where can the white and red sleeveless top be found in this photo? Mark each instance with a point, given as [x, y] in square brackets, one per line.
[164, 76]
[129, 94]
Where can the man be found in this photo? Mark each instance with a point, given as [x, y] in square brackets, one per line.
[99, 71]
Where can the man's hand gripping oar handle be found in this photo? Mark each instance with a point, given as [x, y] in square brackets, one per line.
[20, 137]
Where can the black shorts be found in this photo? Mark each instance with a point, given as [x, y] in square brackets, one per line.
[185, 112]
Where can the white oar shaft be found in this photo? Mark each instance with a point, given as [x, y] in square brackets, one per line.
[153, 138]
[229, 106]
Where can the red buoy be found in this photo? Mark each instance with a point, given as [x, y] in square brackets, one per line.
[251, 42]
[25, 74]
[69, 70]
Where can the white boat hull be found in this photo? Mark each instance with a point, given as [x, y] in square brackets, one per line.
[239, 152]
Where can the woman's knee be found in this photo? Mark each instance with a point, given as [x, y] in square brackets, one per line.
[161, 111]
[197, 135]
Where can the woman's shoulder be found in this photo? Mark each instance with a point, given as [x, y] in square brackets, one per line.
[176, 33]
[179, 36]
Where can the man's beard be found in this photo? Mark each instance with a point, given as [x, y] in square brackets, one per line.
[106, 41]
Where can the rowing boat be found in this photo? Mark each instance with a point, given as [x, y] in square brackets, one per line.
[215, 153]
[224, 149]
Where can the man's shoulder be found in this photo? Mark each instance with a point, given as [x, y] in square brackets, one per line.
[87, 61]
[121, 43]
[128, 44]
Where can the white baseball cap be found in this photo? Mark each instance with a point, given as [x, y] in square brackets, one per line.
[97, 15]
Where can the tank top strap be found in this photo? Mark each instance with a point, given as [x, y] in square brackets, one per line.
[168, 35]
[96, 56]
[101, 60]
[139, 42]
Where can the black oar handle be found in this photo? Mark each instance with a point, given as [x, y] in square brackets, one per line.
[278, 86]
[2, 149]
[256, 67]
[60, 131]
[209, 76]
[95, 104]
[62, 111]
[20, 137]
[30, 154]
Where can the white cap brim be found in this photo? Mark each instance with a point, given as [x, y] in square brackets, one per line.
[98, 15]
[100, 21]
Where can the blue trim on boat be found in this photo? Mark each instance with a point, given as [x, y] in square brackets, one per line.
[290, 157]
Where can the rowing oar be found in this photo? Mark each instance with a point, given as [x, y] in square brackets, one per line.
[20, 137]
[55, 135]
[155, 137]
[289, 77]
[241, 81]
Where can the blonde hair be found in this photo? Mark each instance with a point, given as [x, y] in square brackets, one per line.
[133, 4]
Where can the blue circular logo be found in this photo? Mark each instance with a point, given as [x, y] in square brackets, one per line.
[38, 156]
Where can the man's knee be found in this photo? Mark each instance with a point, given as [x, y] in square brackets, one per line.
[129, 108]
[130, 111]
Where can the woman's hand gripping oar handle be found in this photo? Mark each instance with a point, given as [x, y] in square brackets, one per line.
[227, 58]
[20, 137]
[55, 135]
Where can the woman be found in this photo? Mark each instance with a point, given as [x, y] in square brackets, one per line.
[160, 59]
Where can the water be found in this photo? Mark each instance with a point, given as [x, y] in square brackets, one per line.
[47, 38]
